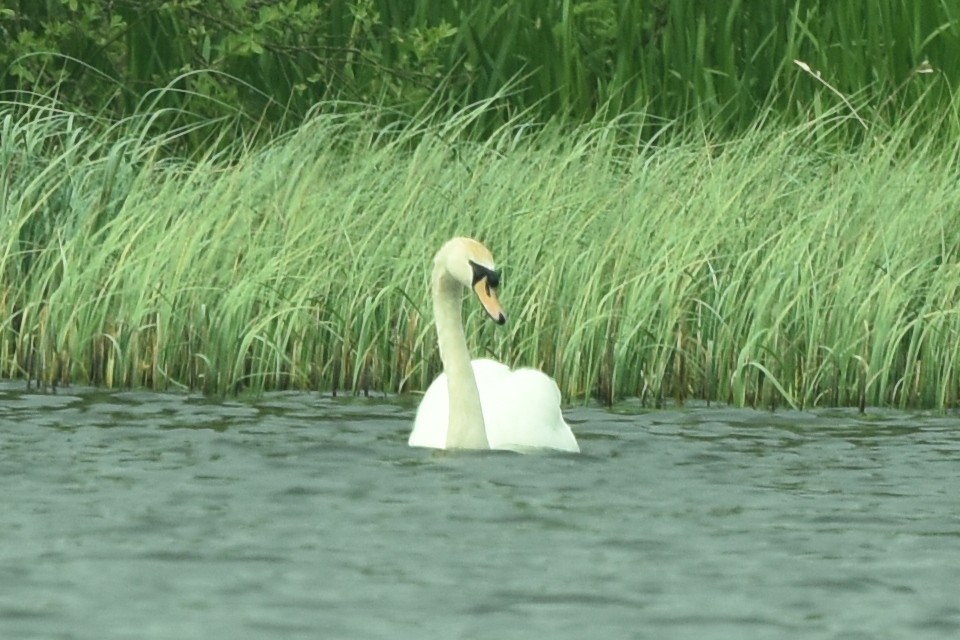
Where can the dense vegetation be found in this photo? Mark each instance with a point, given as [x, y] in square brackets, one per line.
[755, 203]
[251, 62]
[761, 270]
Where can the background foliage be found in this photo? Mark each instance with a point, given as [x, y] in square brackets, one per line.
[268, 61]
[756, 201]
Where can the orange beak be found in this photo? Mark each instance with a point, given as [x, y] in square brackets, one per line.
[488, 298]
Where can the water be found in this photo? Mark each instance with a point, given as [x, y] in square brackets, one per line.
[139, 515]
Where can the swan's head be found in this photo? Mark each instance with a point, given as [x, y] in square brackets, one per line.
[471, 264]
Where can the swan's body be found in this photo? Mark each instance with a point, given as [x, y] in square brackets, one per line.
[482, 404]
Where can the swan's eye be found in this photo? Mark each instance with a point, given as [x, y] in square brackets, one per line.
[480, 272]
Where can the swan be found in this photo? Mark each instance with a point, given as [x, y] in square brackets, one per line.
[482, 404]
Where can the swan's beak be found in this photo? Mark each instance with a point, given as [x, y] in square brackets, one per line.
[488, 298]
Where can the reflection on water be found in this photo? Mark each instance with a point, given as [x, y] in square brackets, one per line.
[143, 515]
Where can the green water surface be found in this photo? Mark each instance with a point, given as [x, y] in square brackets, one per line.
[143, 515]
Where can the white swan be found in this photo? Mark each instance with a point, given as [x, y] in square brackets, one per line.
[482, 404]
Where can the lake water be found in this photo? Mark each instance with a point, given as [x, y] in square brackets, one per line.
[143, 515]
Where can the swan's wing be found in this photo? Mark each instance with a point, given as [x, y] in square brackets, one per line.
[489, 370]
[430, 425]
[522, 411]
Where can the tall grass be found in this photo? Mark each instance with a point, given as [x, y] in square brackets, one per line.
[770, 269]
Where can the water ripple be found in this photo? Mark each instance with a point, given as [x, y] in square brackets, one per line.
[300, 516]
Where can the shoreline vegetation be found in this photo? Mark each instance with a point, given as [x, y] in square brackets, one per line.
[777, 267]
[681, 62]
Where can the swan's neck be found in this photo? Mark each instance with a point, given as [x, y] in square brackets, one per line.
[465, 427]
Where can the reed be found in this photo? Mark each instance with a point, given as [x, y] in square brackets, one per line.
[774, 268]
